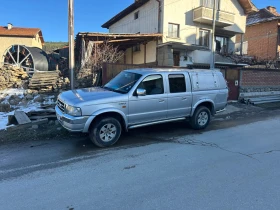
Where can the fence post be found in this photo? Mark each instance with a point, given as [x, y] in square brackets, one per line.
[104, 73]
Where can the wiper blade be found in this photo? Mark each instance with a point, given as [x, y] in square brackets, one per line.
[107, 88]
[114, 90]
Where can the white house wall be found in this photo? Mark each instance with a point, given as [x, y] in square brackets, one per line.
[181, 12]
[178, 12]
[146, 23]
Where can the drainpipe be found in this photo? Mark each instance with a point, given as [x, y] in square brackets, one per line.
[212, 64]
[242, 42]
[159, 5]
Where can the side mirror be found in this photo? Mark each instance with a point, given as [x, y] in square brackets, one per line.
[141, 92]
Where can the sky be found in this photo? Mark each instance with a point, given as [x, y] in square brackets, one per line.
[51, 15]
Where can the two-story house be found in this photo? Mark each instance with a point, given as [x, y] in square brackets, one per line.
[262, 37]
[186, 28]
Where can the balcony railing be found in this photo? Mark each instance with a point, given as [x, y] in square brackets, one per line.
[205, 15]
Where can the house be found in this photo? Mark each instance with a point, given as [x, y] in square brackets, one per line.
[10, 35]
[262, 35]
[186, 29]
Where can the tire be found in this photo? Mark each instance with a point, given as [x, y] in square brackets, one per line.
[105, 132]
[200, 118]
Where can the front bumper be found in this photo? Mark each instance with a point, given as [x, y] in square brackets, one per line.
[71, 123]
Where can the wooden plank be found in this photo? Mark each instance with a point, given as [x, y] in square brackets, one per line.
[40, 78]
[47, 77]
[42, 83]
[29, 125]
[21, 117]
[42, 117]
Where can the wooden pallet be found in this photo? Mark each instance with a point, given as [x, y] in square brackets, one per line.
[44, 80]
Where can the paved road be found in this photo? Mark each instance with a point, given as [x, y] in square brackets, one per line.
[224, 167]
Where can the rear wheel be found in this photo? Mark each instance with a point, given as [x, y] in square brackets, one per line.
[201, 118]
[105, 132]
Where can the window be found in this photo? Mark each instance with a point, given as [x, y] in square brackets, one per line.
[204, 38]
[177, 83]
[221, 44]
[153, 85]
[173, 30]
[210, 3]
[136, 48]
[136, 15]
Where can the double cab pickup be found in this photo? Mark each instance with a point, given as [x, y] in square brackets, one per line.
[142, 97]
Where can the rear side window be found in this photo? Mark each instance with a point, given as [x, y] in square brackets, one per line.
[177, 83]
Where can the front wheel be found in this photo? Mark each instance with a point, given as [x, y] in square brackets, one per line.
[105, 132]
[201, 118]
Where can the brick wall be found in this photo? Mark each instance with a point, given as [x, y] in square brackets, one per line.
[262, 40]
[260, 78]
[259, 81]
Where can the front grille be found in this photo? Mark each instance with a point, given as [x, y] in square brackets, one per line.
[60, 105]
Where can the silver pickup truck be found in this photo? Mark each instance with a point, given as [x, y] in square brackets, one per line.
[142, 97]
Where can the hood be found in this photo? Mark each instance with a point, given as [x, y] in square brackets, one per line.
[78, 96]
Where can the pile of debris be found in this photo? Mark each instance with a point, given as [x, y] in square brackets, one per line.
[50, 81]
[13, 77]
[31, 120]
[84, 78]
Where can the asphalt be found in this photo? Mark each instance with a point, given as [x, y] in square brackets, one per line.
[23, 152]
[231, 165]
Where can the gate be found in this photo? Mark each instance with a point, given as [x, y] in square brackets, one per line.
[232, 78]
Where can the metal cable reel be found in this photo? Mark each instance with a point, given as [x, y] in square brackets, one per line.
[31, 59]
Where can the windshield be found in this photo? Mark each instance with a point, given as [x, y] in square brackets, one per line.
[123, 82]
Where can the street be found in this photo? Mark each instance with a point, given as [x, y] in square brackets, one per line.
[232, 165]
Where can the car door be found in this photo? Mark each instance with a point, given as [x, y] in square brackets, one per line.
[152, 106]
[179, 95]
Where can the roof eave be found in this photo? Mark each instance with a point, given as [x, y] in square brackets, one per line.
[124, 13]
[264, 21]
[248, 6]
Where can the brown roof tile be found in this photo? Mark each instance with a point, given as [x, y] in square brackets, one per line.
[21, 32]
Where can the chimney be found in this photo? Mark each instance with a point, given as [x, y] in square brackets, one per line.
[10, 26]
[272, 10]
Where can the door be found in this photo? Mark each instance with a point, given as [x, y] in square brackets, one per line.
[152, 106]
[176, 58]
[232, 77]
[179, 98]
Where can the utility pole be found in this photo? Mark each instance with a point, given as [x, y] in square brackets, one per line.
[212, 65]
[71, 41]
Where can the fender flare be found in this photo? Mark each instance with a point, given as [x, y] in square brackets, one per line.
[203, 101]
[102, 111]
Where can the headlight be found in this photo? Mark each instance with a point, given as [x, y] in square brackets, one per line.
[74, 111]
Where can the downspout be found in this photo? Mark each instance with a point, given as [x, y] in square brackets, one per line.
[159, 6]
[242, 42]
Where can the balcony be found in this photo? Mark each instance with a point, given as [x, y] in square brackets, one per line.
[204, 15]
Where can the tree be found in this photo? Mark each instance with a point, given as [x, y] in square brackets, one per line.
[95, 55]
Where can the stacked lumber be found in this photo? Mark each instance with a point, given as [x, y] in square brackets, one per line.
[12, 77]
[50, 81]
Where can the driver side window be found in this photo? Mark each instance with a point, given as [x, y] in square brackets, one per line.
[153, 85]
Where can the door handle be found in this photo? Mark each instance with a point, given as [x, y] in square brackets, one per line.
[161, 100]
[184, 98]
